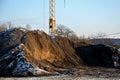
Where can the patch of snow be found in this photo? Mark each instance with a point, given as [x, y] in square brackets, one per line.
[20, 46]
[6, 57]
[52, 37]
[38, 71]
[24, 37]
[9, 30]
[115, 63]
[20, 54]
[119, 49]
[23, 29]
[12, 52]
[10, 65]
[22, 65]
[23, 49]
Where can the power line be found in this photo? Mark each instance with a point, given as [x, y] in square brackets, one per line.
[44, 14]
[64, 3]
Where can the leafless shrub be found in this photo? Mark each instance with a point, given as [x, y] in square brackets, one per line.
[3, 27]
[67, 32]
[97, 36]
[64, 31]
[28, 27]
[101, 38]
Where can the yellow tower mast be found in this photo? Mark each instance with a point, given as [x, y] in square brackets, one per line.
[52, 20]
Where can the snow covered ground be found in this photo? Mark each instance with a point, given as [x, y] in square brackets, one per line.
[59, 78]
[20, 66]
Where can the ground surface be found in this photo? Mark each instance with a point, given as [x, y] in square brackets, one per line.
[93, 72]
[80, 73]
[59, 78]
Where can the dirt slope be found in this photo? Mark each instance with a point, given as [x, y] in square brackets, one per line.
[41, 49]
[38, 50]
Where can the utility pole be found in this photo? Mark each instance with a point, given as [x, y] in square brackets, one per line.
[52, 20]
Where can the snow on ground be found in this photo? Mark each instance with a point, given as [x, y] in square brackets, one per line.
[37, 71]
[22, 66]
[23, 29]
[25, 67]
[59, 78]
[12, 52]
[18, 64]
[52, 36]
[119, 49]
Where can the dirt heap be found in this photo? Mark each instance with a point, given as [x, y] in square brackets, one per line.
[38, 50]
[25, 53]
[45, 51]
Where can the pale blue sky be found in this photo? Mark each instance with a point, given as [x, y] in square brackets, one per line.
[83, 16]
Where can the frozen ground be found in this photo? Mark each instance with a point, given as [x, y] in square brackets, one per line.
[59, 78]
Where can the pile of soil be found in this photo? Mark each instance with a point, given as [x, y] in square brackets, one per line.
[21, 51]
[96, 55]
[38, 50]
[43, 51]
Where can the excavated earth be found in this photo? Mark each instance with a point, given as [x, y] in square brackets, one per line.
[34, 53]
[46, 51]
[23, 51]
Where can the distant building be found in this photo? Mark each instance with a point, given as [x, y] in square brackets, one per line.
[105, 41]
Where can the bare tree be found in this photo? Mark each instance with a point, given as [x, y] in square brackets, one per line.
[28, 27]
[97, 36]
[74, 38]
[60, 30]
[9, 25]
[68, 32]
[3, 27]
[101, 38]
[64, 31]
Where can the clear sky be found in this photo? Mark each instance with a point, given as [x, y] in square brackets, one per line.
[82, 16]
